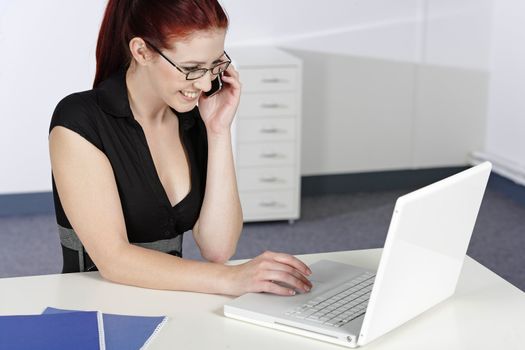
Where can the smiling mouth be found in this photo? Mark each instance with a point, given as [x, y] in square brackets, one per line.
[190, 94]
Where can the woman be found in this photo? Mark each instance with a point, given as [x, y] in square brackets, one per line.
[145, 156]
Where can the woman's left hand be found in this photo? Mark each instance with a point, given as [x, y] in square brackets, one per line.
[218, 111]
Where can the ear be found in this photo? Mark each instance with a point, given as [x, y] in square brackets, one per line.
[139, 51]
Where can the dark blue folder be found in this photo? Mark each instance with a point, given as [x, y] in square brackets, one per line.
[75, 330]
[125, 332]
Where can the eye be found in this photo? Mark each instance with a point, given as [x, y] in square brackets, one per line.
[190, 68]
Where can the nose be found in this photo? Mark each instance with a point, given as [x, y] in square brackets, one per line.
[204, 82]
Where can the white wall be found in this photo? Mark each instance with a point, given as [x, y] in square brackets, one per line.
[457, 33]
[505, 145]
[451, 82]
[51, 48]
[402, 84]
[47, 52]
[383, 29]
[358, 62]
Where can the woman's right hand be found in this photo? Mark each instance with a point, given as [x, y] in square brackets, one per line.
[270, 272]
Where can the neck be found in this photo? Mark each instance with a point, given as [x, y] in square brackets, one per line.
[146, 106]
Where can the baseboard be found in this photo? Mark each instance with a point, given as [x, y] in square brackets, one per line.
[26, 204]
[508, 169]
[41, 203]
[507, 187]
[373, 181]
[399, 180]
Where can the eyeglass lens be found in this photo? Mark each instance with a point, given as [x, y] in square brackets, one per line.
[196, 74]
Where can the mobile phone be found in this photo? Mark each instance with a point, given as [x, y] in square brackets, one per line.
[216, 86]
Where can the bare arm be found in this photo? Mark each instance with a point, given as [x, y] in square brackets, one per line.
[220, 223]
[84, 177]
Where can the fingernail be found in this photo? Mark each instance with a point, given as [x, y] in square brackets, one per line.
[292, 292]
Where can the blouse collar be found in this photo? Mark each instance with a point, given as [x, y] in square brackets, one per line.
[113, 99]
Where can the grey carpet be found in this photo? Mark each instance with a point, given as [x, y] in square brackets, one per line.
[29, 245]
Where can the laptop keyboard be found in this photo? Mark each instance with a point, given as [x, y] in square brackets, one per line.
[337, 308]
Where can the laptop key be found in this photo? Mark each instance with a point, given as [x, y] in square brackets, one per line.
[339, 308]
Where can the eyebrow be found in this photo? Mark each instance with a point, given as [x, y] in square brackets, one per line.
[198, 62]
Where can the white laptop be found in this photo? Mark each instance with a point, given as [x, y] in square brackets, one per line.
[420, 265]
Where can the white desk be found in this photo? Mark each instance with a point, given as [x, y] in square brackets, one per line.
[486, 311]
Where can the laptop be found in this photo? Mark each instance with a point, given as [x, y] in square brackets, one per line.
[420, 265]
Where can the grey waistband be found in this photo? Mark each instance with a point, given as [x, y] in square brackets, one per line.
[69, 239]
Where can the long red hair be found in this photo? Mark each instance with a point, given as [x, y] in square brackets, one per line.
[157, 21]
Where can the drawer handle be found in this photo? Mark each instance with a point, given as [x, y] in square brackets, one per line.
[271, 204]
[270, 155]
[273, 106]
[270, 130]
[272, 179]
[273, 80]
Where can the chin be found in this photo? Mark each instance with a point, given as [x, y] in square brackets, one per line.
[183, 109]
[183, 106]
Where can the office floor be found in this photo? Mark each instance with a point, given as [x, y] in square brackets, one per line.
[30, 244]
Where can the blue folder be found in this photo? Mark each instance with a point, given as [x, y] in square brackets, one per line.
[125, 332]
[75, 330]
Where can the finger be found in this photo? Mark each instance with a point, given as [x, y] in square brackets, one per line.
[273, 265]
[270, 287]
[291, 280]
[232, 81]
[306, 284]
[292, 261]
[303, 279]
[231, 70]
[234, 85]
[230, 73]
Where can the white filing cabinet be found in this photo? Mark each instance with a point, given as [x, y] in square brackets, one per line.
[267, 132]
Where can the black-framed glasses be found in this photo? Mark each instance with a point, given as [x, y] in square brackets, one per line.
[199, 72]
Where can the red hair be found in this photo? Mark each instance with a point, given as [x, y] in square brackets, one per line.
[156, 21]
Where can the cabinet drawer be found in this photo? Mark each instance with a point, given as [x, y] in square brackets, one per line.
[260, 154]
[257, 203]
[266, 178]
[270, 129]
[268, 79]
[267, 105]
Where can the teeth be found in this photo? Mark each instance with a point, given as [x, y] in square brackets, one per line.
[190, 94]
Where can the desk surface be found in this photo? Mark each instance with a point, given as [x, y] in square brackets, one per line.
[485, 312]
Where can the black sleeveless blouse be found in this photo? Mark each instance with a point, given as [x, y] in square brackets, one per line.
[104, 118]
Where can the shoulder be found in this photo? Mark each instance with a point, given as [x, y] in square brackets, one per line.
[78, 112]
[78, 99]
[74, 107]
